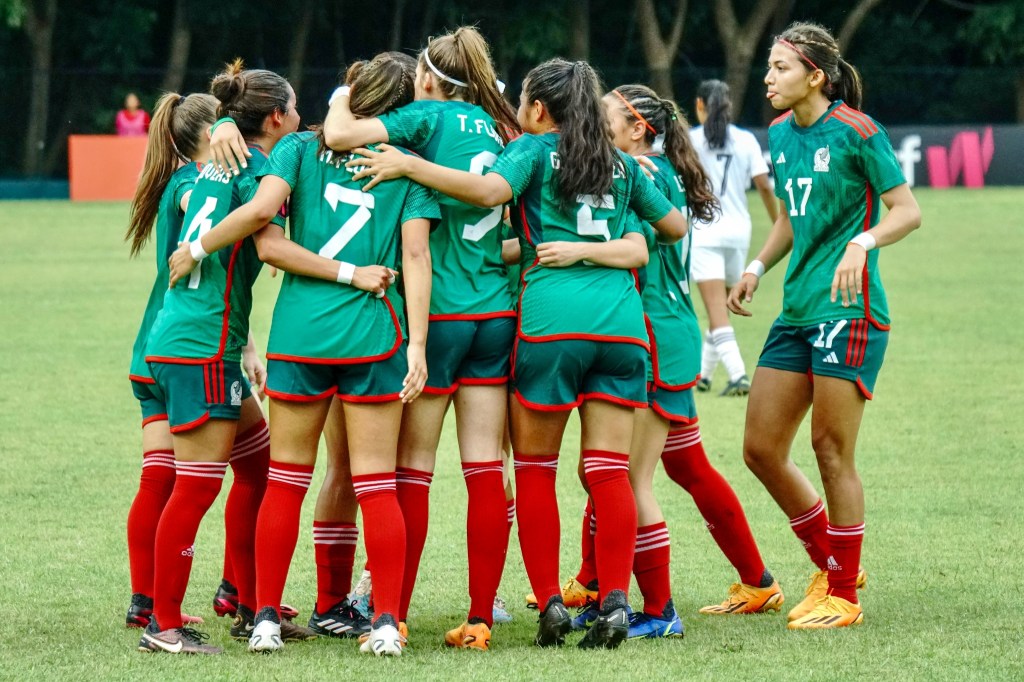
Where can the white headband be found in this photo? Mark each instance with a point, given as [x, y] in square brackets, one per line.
[437, 71]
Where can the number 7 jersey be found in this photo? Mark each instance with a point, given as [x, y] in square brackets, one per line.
[329, 213]
[830, 176]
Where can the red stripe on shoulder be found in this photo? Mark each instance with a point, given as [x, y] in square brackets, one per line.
[861, 130]
[856, 115]
[782, 118]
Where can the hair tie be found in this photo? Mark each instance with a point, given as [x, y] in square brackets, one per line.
[799, 52]
[439, 73]
[636, 114]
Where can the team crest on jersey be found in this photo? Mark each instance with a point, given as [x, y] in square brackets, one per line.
[821, 160]
[236, 394]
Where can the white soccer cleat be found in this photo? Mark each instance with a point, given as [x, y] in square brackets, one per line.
[383, 641]
[266, 637]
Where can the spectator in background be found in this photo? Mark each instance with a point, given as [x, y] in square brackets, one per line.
[133, 119]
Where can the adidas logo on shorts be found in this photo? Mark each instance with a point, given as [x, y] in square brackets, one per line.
[831, 359]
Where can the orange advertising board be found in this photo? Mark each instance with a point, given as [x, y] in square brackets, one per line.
[104, 167]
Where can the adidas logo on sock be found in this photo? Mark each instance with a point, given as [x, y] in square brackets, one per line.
[832, 565]
[189, 551]
[831, 359]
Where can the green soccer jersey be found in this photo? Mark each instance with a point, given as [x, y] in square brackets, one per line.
[330, 214]
[830, 176]
[206, 317]
[168, 228]
[675, 342]
[470, 279]
[582, 301]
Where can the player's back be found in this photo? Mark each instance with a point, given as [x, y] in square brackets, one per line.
[730, 169]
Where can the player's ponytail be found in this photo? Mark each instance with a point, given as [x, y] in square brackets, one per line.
[817, 49]
[571, 94]
[718, 105]
[174, 137]
[249, 96]
[663, 121]
[461, 65]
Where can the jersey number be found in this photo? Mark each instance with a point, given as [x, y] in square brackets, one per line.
[826, 341]
[726, 159]
[585, 223]
[199, 226]
[805, 184]
[335, 193]
[476, 231]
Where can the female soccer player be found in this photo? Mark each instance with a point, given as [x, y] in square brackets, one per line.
[667, 430]
[193, 351]
[832, 165]
[178, 145]
[314, 356]
[733, 159]
[581, 338]
[459, 120]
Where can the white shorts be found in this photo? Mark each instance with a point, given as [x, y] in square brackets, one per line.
[717, 263]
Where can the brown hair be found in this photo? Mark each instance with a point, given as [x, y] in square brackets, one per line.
[249, 96]
[174, 136]
[816, 46]
[463, 55]
[668, 122]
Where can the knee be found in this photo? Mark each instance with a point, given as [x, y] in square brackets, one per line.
[834, 462]
[759, 458]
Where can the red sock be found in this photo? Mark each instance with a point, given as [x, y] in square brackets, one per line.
[277, 529]
[155, 486]
[413, 490]
[384, 537]
[812, 529]
[486, 535]
[651, 567]
[844, 561]
[607, 476]
[335, 547]
[196, 485]
[250, 458]
[687, 464]
[588, 568]
[539, 529]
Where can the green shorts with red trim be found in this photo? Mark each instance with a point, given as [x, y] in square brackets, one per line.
[194, 394]
[153, 408]
[468, 352]
[844, 349]
[678, 407]
[360, 382]
[560, 375]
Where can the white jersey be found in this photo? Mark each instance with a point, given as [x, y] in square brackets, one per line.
[730, 169]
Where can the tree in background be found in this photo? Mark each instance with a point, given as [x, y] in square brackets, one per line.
[36, 18]
[998, 32]
[660, 51]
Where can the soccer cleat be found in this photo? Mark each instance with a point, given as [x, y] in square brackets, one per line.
[360, 596]
[469, 636]
[384, 638]
[177, 641]
[403, 630]
[288, 612]
[225, 600]
[739, 387]
[499, 613]
[245, 620]
[141, 610]
[341, 620]
[646, 626]
[745, 598]
[293, 632]
[703, 385]
[829, 612]
[586, 615]
[575, 594]
[553, 624]
[266, 634]
[817, 589]
[611, 627]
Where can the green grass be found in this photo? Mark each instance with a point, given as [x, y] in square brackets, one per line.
[939, 453]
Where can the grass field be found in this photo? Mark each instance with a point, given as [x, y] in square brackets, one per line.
[940, 455]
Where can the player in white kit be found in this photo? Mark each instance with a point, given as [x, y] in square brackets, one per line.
[732, 158]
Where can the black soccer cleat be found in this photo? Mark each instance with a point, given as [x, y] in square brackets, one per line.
[341, 620]
[611, 627]
[140, 612]
[225, 601]
[553, 624]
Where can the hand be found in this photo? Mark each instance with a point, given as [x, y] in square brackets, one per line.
[387, 164]
[849, 277]
[416, 379]
[374, 278]
[743, 291]
[227, 148]
[256, 371]
[180, 264]
[273, 270]
[560, 254]
[647, 166]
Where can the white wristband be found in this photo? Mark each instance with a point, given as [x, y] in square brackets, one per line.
[346, 272]
[338, 92]
[866, 240]
[197, 250]
[756, 268]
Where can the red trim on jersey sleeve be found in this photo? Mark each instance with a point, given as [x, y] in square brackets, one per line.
[192, 424]
[349, 361]
[141, 380]
[781, 118]
[154, 418]
[293, 398]
[472, 317]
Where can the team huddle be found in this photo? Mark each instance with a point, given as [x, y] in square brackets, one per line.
[444, 248]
